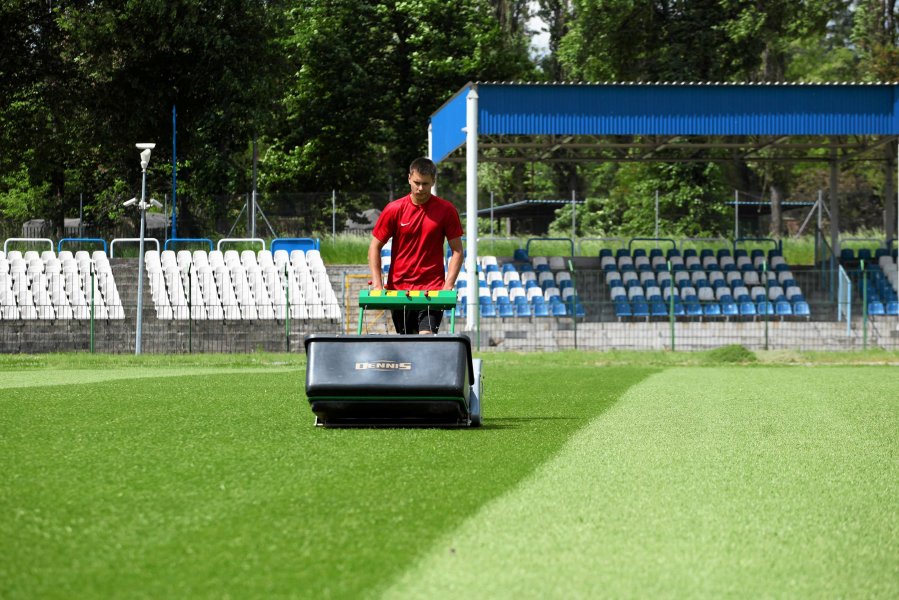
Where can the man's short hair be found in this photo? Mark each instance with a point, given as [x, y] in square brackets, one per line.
[424, 166]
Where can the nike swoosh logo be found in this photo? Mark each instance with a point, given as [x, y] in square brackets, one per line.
[404, 224]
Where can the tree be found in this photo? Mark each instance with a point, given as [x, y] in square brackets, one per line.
[368, 76]
[97, 77]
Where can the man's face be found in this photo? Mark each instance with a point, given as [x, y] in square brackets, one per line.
[420, 186]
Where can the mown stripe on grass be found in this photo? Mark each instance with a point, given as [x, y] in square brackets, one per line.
[35, 378]
[218, 485]
[699, 482]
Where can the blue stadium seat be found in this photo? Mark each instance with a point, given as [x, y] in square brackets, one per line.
[876, 308]
[505, 310]
[522, 309]
[765, 308]
[801, 308]
[557, 309]
[520, 254]
[847, 255]
[892, 308]
[782, 308]
[711, 309]
[640, 308]
[747, 309]
[487, 308]
[579, 310]
[657, 308]
[622, 309]
[729, 308]
[692, 308]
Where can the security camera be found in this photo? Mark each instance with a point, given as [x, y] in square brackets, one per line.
[131, 202]
[145, 146]
[155, 202]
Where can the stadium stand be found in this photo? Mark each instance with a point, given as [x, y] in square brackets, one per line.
[704, 284]
[246, 285]
[47, 286]
[536, 287]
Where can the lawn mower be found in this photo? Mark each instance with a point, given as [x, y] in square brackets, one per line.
[394, 380]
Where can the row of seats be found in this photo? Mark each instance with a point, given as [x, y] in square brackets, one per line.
[879, 286]
[245, 285]
[532, 290]
[66, 286]
[725, 308]
[866, 254]
[703, 283]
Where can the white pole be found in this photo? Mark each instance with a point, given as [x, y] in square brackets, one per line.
[333, 214]
[471, 205]
[140, 265]
[736, 214]
[431, 153]
[253, 203]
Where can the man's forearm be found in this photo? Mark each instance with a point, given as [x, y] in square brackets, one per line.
[374, 266]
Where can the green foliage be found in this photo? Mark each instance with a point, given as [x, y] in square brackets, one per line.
[338, 93]
[19, 199]
[365, 79]
[690, 203]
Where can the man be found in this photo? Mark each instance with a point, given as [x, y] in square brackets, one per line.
[418, 224]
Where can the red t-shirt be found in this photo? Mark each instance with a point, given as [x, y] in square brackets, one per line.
[418, 232]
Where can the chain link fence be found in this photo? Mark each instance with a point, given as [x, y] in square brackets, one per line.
[68, 311]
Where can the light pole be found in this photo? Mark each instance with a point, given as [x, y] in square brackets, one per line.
[146, 149]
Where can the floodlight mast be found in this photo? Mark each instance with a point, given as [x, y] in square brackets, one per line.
[146, 149]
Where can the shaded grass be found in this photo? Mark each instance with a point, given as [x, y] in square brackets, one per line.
[214, 485]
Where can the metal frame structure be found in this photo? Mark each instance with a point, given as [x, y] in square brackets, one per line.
[831, 123]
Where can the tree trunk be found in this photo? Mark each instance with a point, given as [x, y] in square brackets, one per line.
[776, 227]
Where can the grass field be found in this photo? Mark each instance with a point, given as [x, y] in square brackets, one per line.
[595, 475]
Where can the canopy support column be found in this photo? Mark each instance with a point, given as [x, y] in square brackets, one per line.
[834, 206]
[471, 207]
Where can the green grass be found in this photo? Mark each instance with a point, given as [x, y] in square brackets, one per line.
[607, 474]
[351, 249]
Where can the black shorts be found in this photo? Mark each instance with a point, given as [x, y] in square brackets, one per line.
[410, 322]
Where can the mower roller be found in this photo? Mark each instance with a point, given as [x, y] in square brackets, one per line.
[394, 380]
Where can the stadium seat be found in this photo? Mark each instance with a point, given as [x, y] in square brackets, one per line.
[658, 308]
[876, 308]
[640, 308]
[540, 308]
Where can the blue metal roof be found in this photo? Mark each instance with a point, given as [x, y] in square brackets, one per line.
[712, 109]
